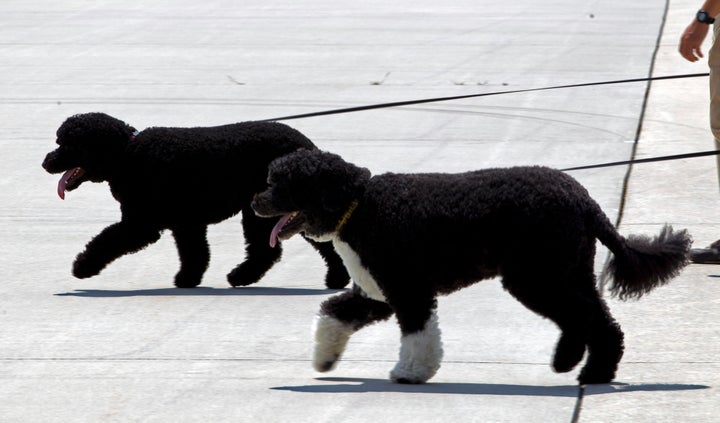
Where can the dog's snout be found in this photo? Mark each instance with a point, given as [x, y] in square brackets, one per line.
[255, 203]
[48, 158]
[260, 205]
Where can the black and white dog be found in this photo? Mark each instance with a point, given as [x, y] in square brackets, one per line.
[407, 238]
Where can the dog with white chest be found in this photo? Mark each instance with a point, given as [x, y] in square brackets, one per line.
[407, 238]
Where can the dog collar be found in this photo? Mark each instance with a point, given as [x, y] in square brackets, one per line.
[346, 216]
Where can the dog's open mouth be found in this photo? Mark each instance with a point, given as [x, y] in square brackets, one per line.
[288, 225]
[69, 181]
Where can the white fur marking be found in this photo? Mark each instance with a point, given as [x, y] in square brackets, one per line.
[331, 337]
[420, 354]
[359, 273]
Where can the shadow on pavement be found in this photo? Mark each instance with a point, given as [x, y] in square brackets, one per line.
[199, 291]
[359, 385]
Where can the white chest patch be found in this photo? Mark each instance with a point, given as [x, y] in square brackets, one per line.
[359, 274]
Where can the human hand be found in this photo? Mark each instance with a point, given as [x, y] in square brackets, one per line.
[691, 41]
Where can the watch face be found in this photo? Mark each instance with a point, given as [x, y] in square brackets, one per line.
[703, 17]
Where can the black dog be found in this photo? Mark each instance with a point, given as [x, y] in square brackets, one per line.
[182, 179]
[407, 238]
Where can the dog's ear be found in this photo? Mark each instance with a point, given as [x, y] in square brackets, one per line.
[95, 131]
[346, 183]
[322, 176]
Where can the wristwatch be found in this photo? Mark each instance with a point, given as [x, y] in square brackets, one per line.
[703, 17]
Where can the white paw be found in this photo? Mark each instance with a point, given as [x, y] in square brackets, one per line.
[412, 373]
[331, 337]
[420, 355]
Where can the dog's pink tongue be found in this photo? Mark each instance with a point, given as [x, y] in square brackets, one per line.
[276, 229]
[62, 184]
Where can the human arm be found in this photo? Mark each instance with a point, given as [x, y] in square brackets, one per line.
[692, 38]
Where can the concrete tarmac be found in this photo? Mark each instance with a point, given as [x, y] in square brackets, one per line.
[125, 346]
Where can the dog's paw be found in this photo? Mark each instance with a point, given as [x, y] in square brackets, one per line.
[325, 364]
[605, 352]
[184, 280]
[84, 268]
[337, 277]
[331, 337]
[407, 380]
[590, 375]
[420, 354]
[412, 373]
[242, 276]
[568, 353]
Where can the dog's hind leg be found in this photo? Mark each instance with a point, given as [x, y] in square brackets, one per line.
[192, 246]
[341, 316]
[259, 255]
[605, 345]
[114, 241]
[583, 318]
[337, 276]
[547, 299]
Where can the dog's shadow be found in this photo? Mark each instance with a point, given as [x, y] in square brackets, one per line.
[199, 292]
[360, 385]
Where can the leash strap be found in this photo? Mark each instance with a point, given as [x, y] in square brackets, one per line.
[578, 404]
[556, 87]
[460, 97]
[647, 160]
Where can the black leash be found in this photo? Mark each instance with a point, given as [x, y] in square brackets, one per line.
[460, 97]
[578, 404]
[647, 160]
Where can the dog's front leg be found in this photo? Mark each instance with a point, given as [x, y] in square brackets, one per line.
[194, 252]
[341, 316]
[337, 276]
[114, 241]
[420, 348]
[259, 255]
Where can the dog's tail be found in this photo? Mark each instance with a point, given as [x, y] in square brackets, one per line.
[641, 263]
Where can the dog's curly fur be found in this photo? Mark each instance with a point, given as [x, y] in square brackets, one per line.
[407, 238]
[181, 179]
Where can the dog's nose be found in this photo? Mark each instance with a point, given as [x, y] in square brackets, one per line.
[46, 161]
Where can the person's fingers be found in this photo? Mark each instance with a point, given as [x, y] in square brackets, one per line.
[688, 53]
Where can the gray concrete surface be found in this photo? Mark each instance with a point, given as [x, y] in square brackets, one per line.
[125, 346]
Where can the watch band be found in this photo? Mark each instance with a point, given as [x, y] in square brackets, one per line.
[703, 17]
